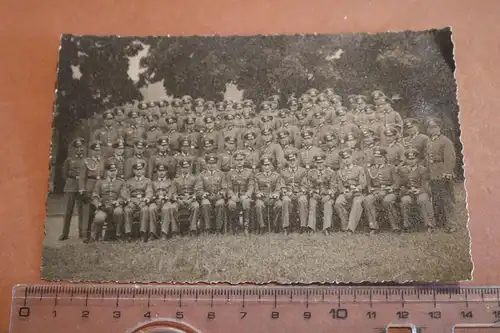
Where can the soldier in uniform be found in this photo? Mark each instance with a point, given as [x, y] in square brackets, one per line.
[139, 148]
[185, 154]
[177, 109]
[274, 100]
[372, 123]
[91, 170]
[353, 143]
[270, 149]
[352, 184]
[172, 133]
[160, 202]
[265, 108]
[248, 105]
[302, 124]
[152, 135]
[183, 192]
[284, 142]
[293, 105]
[389, 116]
[344, 125]
[414, 139]
[191, 134]
[199, 114]
[209, 110]
[133, 132]
[161, 157]
[187, 109]
[212, 192]
[267, 121]
[106, 198]
[293, 191]
[225, 161]
[331, 151]
[107, 134]
[370, 141]
[212, 133]
[313, 94]
[71, 173]
[252, 155]
[118, 158]
[208, 149]
[383, 184]
[137, 194]
[415, 189]
[320, 127]
[120, 122]
[395, 151]
[268, 184]
[230, 130]
[249, 124]
[219, 116]
[441, 159]
[323, 185]
[308, 151]
[240, 188]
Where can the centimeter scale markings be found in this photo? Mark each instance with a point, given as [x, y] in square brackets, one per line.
[221, 309]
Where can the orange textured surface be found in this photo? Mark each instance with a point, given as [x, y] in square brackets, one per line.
[29, 39]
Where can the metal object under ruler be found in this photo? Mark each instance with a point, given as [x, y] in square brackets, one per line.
[244, 308]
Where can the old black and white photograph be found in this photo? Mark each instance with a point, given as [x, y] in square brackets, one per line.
[282, 158]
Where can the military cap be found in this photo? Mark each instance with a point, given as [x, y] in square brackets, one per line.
[199, 101]
[152, 104]
[171, 119]
[291, 156]
[219, 104]
[350, 137]
[230, 139]
[432, 121]
[283, 134]
[312, 92]
[411, 154]
[329, 137]
[369, 108]
[377, 94]
[142, 105]
[111, 166]
[209, 104]
[211, 159]
[379, 152]
[108, 114]
[161, 167]
[207, 142]
[138, 165]
[248, 102]
[185, 142]
[390, 131]
[305, 98]
[185, 163]
[190, 120]
[345, 153]
[208, 119]
[265, 160]
[247, 114]
[300, 115]
[265, 103]
[410, 122]
[360, 98]
[186, 99]
[319, 158]
[266, 118]
[307, 134]
[177, 102]
[341, 111]
[293, 101]
[351, 97]
[321, 97]
[329, 91]
[273, 98]
[283, 113]
[367, 132]
[336, 98]
[140, 143]
[229, 116]
[249, 136]
[119, 111]
[239, 156]
[119, 144]
[162, 103]
[78, 142]
[95, 145]
[133, 114]
[228, 101]
[163, 140]
[319, 114]
[266, 131]
[238, 105]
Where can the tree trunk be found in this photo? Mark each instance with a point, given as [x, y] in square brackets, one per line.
[60, 150]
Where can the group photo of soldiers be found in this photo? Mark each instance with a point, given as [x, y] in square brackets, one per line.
[318, 162]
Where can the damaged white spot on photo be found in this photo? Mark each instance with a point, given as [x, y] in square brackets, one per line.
[284, 158]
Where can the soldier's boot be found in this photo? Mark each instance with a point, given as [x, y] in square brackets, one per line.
[144, 236]
[164, 236]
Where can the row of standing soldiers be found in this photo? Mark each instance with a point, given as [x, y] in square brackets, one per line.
[280, 164]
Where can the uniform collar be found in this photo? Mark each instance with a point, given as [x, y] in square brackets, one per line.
[435, 137]
[139, 178]
[111, 179]
[162, 179]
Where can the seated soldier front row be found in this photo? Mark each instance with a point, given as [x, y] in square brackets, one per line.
[155, 204]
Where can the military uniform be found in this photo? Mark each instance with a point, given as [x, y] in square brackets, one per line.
[212, 192]
[107, 134]
[132, 133]
[152, 135]
[308, 152]
[382, 186]
[293, 191]
[213, 134]
[390, 116]
[240, 188]
[199, 114]
[352, 184]
[91, 170]
[107, 202]
[71, 173]
[160, 203]
[343, 127]
[185, 153]
[395, 151]
[172, 134]
[225, 160]
[184, 188]
[118, 159]
[138, 155]
[441, 159]
[415, 189]
[323, 185]
[268, 185]
[161, 157]
[271, 150]
[137, 193]
[192, 135]
[252, 155]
